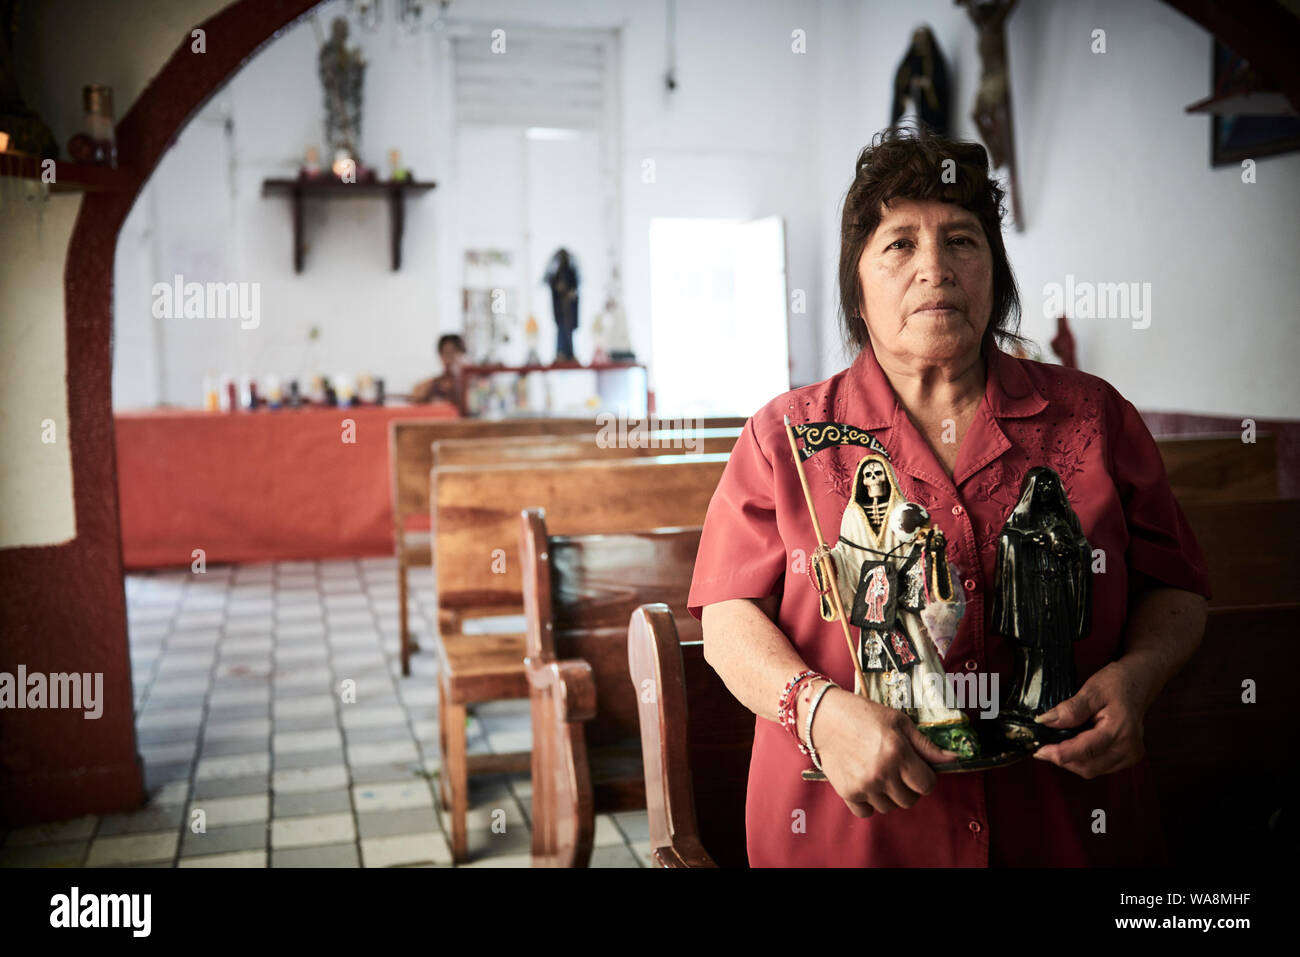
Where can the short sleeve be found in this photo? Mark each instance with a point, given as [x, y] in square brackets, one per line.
[741, 552]
[1162, 545]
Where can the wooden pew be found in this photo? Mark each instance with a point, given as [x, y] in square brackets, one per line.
[476, 533]
[577, 447]
[1220, 467]
[410, 456]
[1249, 547]
[1222, 766]
[579, 592]
[696, 741]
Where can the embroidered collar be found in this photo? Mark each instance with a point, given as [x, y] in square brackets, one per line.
[1008, 391]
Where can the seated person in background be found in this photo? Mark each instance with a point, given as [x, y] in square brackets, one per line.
[446, 387]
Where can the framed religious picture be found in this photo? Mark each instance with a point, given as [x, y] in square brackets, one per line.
[1243, 136]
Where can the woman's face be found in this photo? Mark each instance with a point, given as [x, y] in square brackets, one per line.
[452, 358]
[927, 282]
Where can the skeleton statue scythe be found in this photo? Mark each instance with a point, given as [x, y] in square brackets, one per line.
[992, 112]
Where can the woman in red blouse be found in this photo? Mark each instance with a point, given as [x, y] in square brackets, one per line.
[926, 293]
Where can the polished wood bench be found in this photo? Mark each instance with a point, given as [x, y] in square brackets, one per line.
[1249, 547]
[476, 538]
[696, 740]
[1220, 467]
[579, 593]
[410, 456]
[557, 448]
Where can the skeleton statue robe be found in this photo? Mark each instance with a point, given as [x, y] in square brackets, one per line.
[1043, 595]
[895, 584]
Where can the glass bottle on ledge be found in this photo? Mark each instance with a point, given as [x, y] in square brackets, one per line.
[96, 144]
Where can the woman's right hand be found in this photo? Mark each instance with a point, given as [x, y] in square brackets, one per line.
[874, 756]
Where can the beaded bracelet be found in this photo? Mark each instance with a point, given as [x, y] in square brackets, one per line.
[785, 710]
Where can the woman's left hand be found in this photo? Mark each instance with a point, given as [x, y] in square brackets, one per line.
[1115, 699]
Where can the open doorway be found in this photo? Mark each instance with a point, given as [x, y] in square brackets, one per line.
[720, 332]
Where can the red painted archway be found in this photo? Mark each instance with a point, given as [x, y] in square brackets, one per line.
[63, 608]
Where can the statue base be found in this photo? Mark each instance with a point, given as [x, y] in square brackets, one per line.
[995, 752]
[1020, 728]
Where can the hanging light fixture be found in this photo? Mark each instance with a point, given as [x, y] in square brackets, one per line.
[412, 15]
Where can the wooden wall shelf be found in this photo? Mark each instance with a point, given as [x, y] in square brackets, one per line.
[329, 187]
[69, 177]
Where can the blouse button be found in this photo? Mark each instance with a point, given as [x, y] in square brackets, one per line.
[971, 664]
[970, 584]
[975, 827]
[957, 509]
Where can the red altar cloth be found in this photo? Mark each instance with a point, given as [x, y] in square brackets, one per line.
[257, 486]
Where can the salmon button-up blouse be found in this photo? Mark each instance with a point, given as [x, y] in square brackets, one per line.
[757, 539]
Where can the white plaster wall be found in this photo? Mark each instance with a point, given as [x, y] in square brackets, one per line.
[1116, 186]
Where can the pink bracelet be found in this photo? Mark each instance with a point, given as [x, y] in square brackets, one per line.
[785, 709]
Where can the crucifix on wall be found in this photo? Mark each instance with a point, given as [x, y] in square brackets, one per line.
[993, 101]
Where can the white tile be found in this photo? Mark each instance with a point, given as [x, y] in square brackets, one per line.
[607, 832]
[355, 716]
[303, 706]
[241, 728]
[290, 741]
[405, 849]
[298, 780]
[133, 849]
[382, 752]
[507, 860]
[236, 859]
[233, 766]
[232, 697]
[249, 644]
[173, 792]
[220, 812]
[391, 796]
[169, 753]
[169, 718]
[313, 829]
[180, 686]
[293, 654]
[303, 678]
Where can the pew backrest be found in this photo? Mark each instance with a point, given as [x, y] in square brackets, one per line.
[585, 588]
[1249, 547]
[410, 450]
[1218, 748]
[1220, 467]
[581, 446]
[475, 515]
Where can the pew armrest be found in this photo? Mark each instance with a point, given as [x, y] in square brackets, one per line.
[562, 697]
[571, 684]
[655, 664]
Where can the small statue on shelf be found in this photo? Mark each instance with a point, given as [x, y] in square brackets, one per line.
[342, 74]
[1042, 601]
[562, 277]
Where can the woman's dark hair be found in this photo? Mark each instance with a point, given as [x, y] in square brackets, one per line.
[453, 338]
[906, 163]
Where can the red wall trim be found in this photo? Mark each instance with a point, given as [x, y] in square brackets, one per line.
[63, 607]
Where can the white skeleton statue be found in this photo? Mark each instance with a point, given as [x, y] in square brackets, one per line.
[902, 661]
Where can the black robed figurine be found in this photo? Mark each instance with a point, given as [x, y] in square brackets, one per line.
[1042, 601]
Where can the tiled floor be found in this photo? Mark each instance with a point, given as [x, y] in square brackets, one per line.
[255, 758]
